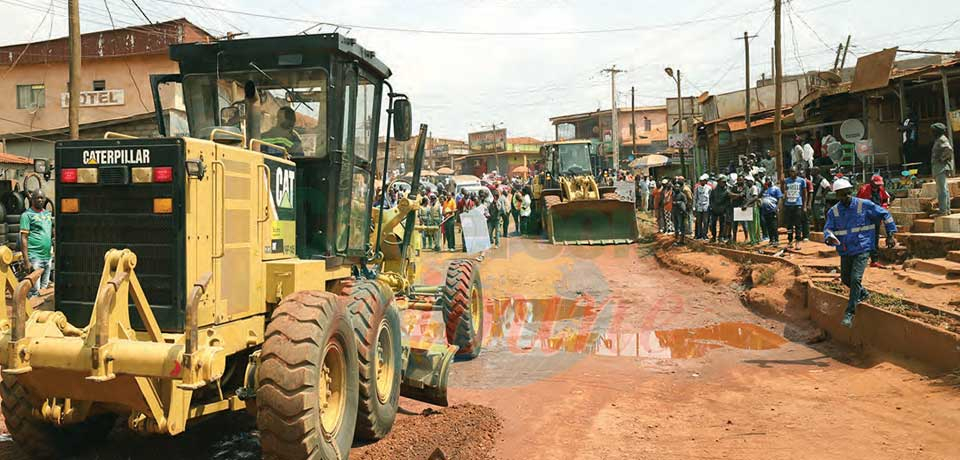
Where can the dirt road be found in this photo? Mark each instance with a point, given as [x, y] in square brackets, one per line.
[666, 366]
[599, 353]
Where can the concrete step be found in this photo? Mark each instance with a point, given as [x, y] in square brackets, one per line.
[922, 226]
[816, 236]
[947, 224]
[953, 256]
[923, 279]
[939, 267]
[906, 219]
[929, 189]
[914, 204]
[930, 245]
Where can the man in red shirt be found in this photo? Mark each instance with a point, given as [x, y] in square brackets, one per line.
[875, 192]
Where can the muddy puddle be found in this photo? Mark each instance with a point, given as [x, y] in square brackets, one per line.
[584, 326]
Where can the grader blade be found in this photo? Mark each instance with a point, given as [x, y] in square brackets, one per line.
[427, 373]
[592, 222]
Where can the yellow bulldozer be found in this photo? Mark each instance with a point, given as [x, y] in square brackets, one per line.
[239, 264]
[573, 208]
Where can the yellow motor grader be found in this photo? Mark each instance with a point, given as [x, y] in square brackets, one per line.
[573, 208]
[239, 264]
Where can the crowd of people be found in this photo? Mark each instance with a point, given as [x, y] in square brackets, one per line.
[502, 203]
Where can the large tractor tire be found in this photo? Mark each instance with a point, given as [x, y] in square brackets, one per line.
[42, 440]
[14, 202]
[376, 323]
[307, 394]
[461, 300]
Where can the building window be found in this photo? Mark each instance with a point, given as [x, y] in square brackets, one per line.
[646, 124]
[99, 85]
[30, 96]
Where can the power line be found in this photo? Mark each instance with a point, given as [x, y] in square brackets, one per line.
[939, 32]
[793, 37]
[16, 61]
[107, 6]
[141, 11]
[478, 33]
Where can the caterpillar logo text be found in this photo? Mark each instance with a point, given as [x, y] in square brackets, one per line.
[116, 156]
[283, 187]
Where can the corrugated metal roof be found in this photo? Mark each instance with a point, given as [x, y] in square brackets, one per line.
[738, 125]
[9, 158]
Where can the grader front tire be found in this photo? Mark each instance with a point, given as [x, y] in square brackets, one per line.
[461, 300]
[376, 323]
[307, 395]
[40, 439]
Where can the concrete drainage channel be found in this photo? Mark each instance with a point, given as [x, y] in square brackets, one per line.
[884, 331]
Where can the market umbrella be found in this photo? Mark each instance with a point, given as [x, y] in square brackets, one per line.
[445, 171]
[424, 173]
[650, 161]
[521, 170]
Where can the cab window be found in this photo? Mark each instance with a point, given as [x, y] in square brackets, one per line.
[285, 108]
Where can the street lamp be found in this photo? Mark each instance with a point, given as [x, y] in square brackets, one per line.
[670, 73]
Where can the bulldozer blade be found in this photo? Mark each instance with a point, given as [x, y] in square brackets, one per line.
[592, 222]
[427, 374]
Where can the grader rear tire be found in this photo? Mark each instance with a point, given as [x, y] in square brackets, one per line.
[307, 394]
[42, 440]
[376, 323]
[461, 300]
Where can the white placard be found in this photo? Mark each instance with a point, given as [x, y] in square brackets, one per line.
[476, 235]
[739, 215]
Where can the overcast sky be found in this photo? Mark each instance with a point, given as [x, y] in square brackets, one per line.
[460, 82]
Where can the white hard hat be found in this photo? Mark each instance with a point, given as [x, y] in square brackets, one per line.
[704, 177]
[841, 184]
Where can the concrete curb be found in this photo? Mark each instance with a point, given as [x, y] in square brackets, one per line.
[875, 329]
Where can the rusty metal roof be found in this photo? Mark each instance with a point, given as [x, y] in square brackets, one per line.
[128, 41]
[584, 115]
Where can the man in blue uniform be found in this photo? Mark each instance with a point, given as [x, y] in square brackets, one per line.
[850, 227]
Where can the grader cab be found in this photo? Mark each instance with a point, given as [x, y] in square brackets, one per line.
[573, 208]
[237, 263]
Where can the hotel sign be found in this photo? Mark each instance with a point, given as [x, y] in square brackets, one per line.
[95, 98]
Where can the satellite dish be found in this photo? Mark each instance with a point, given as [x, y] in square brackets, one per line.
[830, 76]
[852, 130]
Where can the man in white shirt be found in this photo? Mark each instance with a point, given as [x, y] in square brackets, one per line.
[808, 153]
[525, 212]
[796, 154]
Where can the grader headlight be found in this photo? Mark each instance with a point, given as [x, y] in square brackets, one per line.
[87, 175]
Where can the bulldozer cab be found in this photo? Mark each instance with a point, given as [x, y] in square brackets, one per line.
[569, 158]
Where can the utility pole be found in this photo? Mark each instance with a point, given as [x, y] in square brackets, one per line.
[845, 49]
[615, 123]
[496, 155]
[74, 87]
[675, 75]
[778, 87]
[746, 111]
[683, 155]
[633, 120]
[836, 60]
